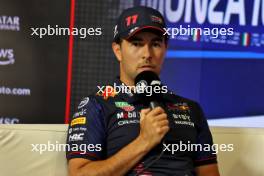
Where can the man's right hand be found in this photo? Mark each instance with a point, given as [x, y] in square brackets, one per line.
[154, 125]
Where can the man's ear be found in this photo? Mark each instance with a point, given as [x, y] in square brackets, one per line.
[117, 51]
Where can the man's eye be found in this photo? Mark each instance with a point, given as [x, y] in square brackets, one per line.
[136, 44]
[156, 44]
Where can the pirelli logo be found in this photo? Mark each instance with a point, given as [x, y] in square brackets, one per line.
[78, 121]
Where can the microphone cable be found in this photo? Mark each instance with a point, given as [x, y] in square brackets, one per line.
[154, 161]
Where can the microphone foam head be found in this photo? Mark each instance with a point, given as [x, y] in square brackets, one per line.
[145, 83]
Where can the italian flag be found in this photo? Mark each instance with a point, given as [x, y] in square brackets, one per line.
[196, 36]
[245, 39]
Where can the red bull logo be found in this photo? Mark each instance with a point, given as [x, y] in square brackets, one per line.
[109, 91]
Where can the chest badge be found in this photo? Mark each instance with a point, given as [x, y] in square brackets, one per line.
[125, 106]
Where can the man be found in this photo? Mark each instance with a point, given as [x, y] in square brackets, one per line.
[118, 139]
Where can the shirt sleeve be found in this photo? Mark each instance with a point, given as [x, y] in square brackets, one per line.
[204, 138]
[86, 132]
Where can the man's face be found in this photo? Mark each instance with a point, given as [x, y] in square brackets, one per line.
[143, 51]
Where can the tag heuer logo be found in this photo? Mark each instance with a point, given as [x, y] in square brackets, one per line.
[125, 106]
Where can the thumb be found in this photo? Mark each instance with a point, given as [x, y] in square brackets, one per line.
[143, 113]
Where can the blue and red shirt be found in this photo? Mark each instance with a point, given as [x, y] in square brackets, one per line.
[105, 123]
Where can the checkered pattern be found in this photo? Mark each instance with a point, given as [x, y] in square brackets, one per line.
[93, 60]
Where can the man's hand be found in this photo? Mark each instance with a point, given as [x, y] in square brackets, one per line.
[153, 126]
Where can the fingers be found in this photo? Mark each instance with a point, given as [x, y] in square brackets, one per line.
[161, 121]
[165, 129]
[154, 125]
[164, 123]
[145, 111]
[161, 117]
[156, 111]
[162, 128]
[157, 114]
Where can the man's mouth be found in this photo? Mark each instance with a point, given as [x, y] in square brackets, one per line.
[146, 67]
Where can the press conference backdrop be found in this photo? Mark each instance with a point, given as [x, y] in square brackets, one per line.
[32, 69]
[222, 72]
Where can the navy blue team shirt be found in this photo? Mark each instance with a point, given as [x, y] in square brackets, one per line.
[105, 123]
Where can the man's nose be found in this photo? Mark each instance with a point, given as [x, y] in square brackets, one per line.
[146, 52]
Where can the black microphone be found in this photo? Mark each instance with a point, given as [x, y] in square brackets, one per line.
[146, 83]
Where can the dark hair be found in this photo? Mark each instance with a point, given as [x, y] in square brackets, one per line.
[118, 41]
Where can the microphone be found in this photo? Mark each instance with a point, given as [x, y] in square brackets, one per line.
[146, 83]
[153, 104]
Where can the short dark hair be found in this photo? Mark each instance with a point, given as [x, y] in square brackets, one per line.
[118, 41]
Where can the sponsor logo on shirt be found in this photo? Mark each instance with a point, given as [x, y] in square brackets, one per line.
[76, 137]
[78, 121]
[127, 118]
[125, 106]
[126, 115]
[109, 91]
[80, 113]
[77, 129]
[83, 102]
[178, 106]
[126, 122]
[182, 119]
[70, 130]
